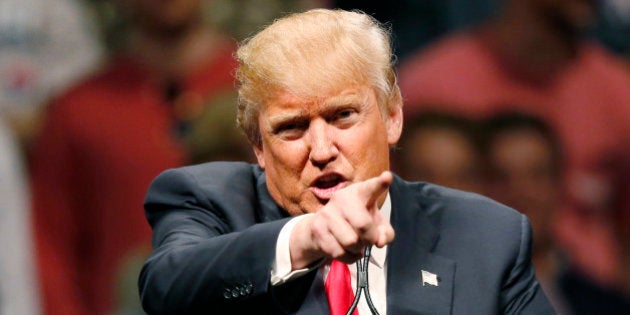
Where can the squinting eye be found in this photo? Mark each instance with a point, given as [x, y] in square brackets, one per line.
[346, 113]
[290, 130]
[286, 127]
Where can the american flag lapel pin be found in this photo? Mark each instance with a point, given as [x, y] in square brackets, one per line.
[429, 278]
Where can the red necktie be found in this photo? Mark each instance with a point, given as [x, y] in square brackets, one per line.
[339, 289]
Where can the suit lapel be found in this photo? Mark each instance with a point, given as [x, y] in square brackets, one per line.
[411, 253]
[316, 301]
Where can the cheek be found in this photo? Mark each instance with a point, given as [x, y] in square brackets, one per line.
[285, 162]
[368, 147]
[288, 155]
[378, 140]
[283, 174]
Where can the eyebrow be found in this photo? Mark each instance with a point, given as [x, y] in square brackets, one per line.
[286, 117]
[331, 104]
[341, 100]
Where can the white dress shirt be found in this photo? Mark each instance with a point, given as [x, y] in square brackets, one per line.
[377, 269]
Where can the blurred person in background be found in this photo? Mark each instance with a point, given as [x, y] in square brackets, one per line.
[19, 292]
[107, 137]
[244, 17]
[440, 148]
[597, 237]
[536, 55]
[45, 46]
[524, 171]
[579, 255]
[417, 23]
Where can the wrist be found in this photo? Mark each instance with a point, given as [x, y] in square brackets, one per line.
[303, 250]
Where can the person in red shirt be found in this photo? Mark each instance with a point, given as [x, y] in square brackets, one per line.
[534, 58]
[106, 138]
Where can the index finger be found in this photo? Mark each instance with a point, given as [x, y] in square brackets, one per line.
[374, 187]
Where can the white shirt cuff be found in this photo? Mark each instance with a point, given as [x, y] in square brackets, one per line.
[281, 270]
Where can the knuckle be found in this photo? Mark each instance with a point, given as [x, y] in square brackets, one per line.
[328, 245]
[319, 229]
[370, 236]
[351, 240]
[326, 248]
[325, 213]
[362, 222]
[330, 212]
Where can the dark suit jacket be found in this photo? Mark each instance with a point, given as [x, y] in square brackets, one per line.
[215, 228]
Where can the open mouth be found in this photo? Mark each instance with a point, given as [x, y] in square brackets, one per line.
[324, 186]
[328, 181]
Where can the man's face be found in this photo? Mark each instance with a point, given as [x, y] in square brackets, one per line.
[525, 178]
[312, 148]
[443, 156]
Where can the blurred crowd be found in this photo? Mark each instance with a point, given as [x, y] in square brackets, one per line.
[524, 101]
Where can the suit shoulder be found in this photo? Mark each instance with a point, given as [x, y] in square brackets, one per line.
[225, 189]
[207, 179]
[471, 209]
[217, 170]
[468, 220]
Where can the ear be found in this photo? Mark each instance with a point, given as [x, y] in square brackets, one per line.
[260, 156]
[394, 125]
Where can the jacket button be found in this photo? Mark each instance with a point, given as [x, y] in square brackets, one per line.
[249, 288]
[227, 294]
[235, 292]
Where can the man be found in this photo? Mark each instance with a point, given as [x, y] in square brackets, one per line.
[533, 56]
[318, 100]
[525, 166]
[440, 148]
[47, 46]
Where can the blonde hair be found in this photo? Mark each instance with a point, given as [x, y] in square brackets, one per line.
[313, 52]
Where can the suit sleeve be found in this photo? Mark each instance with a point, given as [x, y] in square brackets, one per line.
[202, 261]
[521, 293]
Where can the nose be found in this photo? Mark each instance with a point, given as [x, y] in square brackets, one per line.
[323, 149]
